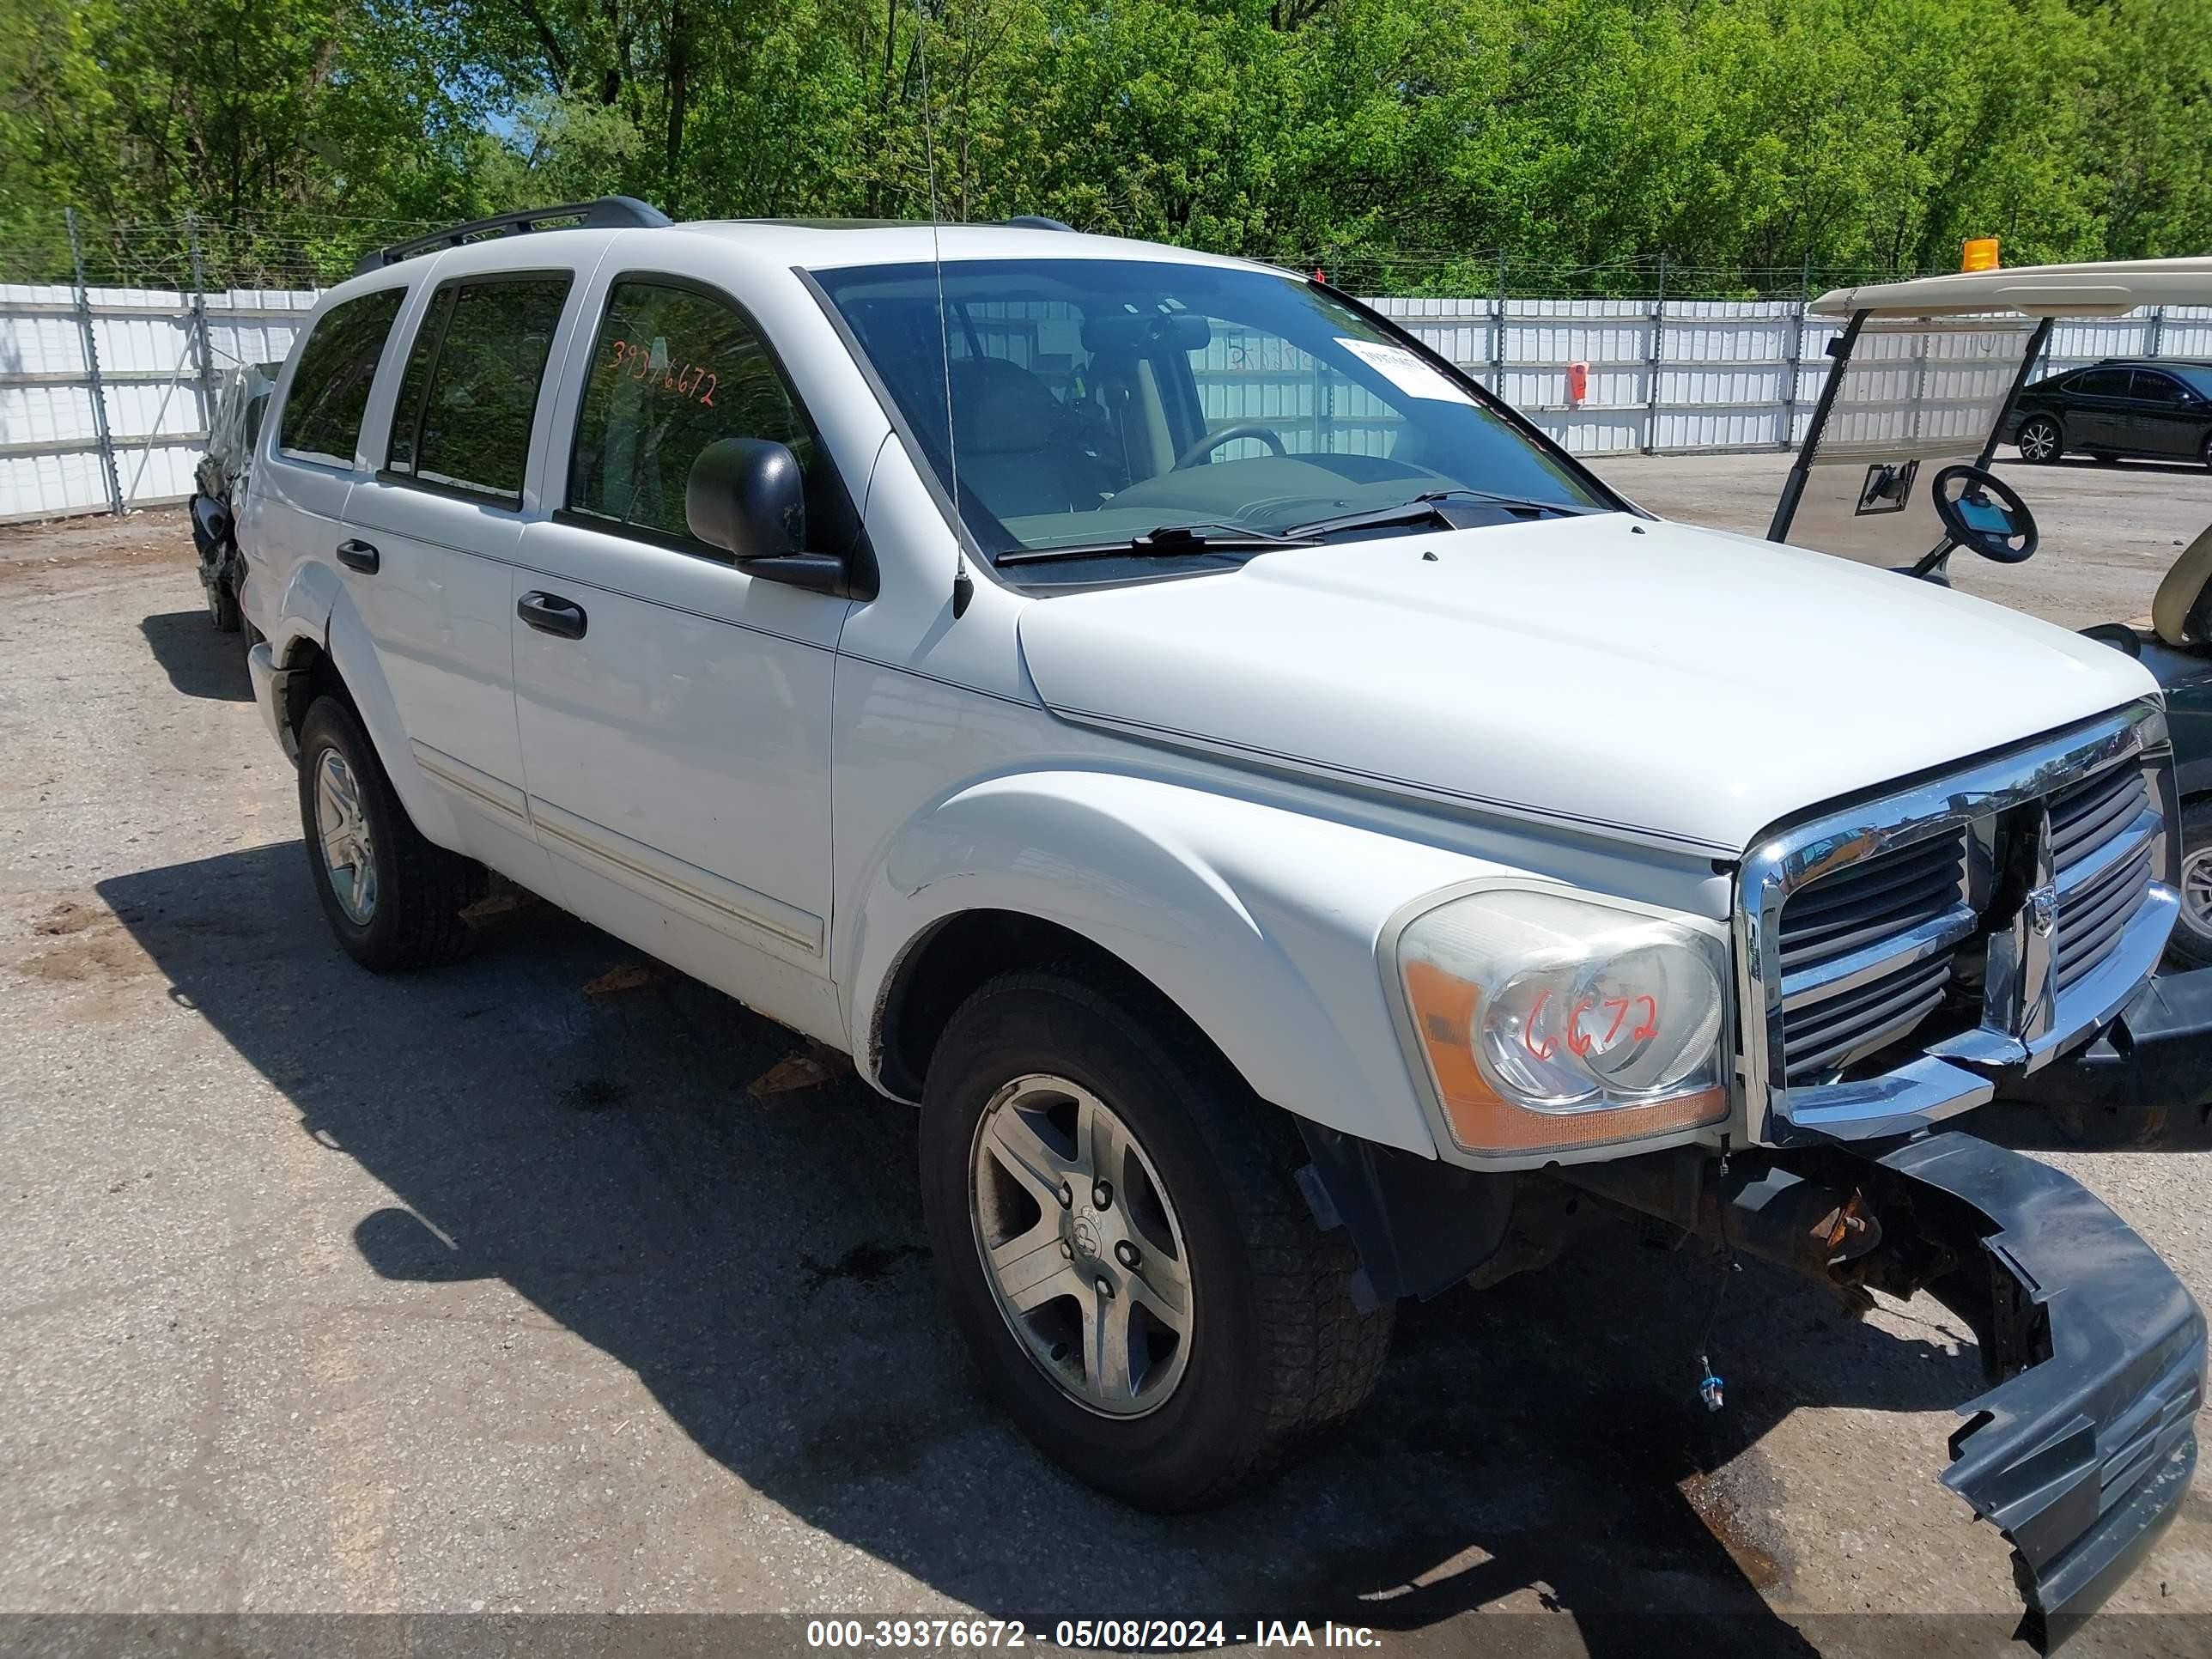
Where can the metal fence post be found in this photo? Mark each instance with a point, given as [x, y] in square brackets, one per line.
[1497, 331]
[2157, 330]
[1788, 438]
[1658, 351]
[92, 369]
[201, 343]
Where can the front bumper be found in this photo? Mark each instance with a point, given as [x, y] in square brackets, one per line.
[2083, 1450]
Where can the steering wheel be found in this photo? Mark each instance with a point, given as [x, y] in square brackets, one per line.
[1213, 441]
[1981, 511]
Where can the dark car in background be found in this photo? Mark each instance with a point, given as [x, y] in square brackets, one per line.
[2156, 408]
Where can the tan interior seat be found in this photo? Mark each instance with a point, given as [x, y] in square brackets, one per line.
[2177, 594]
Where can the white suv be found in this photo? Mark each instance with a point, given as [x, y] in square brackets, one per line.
[1295, 832]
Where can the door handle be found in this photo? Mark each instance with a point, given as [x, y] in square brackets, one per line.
[359, 555]
[549, 613]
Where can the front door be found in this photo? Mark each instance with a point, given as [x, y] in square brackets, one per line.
[2168, 416]
[2096, 406]
[674, 713]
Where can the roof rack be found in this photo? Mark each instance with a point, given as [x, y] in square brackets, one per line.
[607, 213]
[1037, 222]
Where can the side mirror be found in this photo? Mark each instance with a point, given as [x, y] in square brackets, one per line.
[746, 496]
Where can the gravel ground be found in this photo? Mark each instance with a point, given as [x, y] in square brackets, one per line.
[487, 1291]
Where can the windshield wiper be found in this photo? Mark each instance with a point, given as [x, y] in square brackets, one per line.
[1430, 508]
[1166, 541]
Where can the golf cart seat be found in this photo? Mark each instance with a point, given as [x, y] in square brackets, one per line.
[2181, 615]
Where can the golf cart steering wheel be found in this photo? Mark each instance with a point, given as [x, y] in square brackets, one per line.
[1982, 512]
[1213, 441]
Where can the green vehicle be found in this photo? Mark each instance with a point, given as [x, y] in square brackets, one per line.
[1924, 384]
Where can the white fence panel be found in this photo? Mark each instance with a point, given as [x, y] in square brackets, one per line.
[1721, 377]
[153, 384]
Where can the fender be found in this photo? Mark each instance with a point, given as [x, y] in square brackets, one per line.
[1259, 923]
[353, 651]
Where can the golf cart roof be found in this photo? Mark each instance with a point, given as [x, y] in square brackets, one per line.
[2105, 290]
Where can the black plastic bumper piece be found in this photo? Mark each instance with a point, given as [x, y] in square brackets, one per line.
[2145, 1085]
[2081, 1455]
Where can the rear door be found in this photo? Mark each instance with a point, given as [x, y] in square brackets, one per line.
[2098, 407]
[674, 712]
[296, 508]
[436, 535]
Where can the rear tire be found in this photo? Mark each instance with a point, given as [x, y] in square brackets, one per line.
[2040, 441]
[2191, 942]
[1270, 1347]
[393, 898]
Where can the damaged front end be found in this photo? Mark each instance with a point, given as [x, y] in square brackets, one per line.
[2081, 1450]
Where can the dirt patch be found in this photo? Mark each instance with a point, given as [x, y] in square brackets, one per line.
[80, 943]
[58, 554]
[67, 917]
[102, 956]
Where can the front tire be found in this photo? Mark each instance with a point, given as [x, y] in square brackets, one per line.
[1117, 1224]
[2190, 944]
[393, 898]
[2040, 441]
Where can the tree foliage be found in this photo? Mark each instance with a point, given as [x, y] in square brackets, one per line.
[1398, 140]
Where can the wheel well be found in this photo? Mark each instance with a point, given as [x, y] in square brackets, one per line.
[309, 673]
[945, 968]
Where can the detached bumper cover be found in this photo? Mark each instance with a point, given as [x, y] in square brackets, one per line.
[2083, 1454]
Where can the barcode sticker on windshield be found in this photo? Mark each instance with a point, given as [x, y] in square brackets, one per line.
[1405, 371]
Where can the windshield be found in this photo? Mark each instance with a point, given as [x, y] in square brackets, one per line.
[1094, 403]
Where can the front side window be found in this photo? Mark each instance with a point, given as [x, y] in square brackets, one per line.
[674, 370]
[2152, 387]
[322, 416]
[1095, 401]
[469, 396]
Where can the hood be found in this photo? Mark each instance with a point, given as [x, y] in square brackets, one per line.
[1618, 673]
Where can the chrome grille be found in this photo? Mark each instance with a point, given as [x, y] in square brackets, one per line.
[1880, 997]
[2103, 832]
[1866, 952]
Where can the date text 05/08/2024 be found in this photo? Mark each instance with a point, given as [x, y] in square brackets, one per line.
[1115, 1635]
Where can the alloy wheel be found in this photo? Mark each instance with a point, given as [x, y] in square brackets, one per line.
[2196, 891]
[1080, 1245]
[342, 825]
[2038, 441]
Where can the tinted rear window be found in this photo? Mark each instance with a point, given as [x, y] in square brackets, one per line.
[330, 389]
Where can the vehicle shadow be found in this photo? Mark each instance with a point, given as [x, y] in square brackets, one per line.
[762, 1269]
[199, 661]
[2122, 463]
